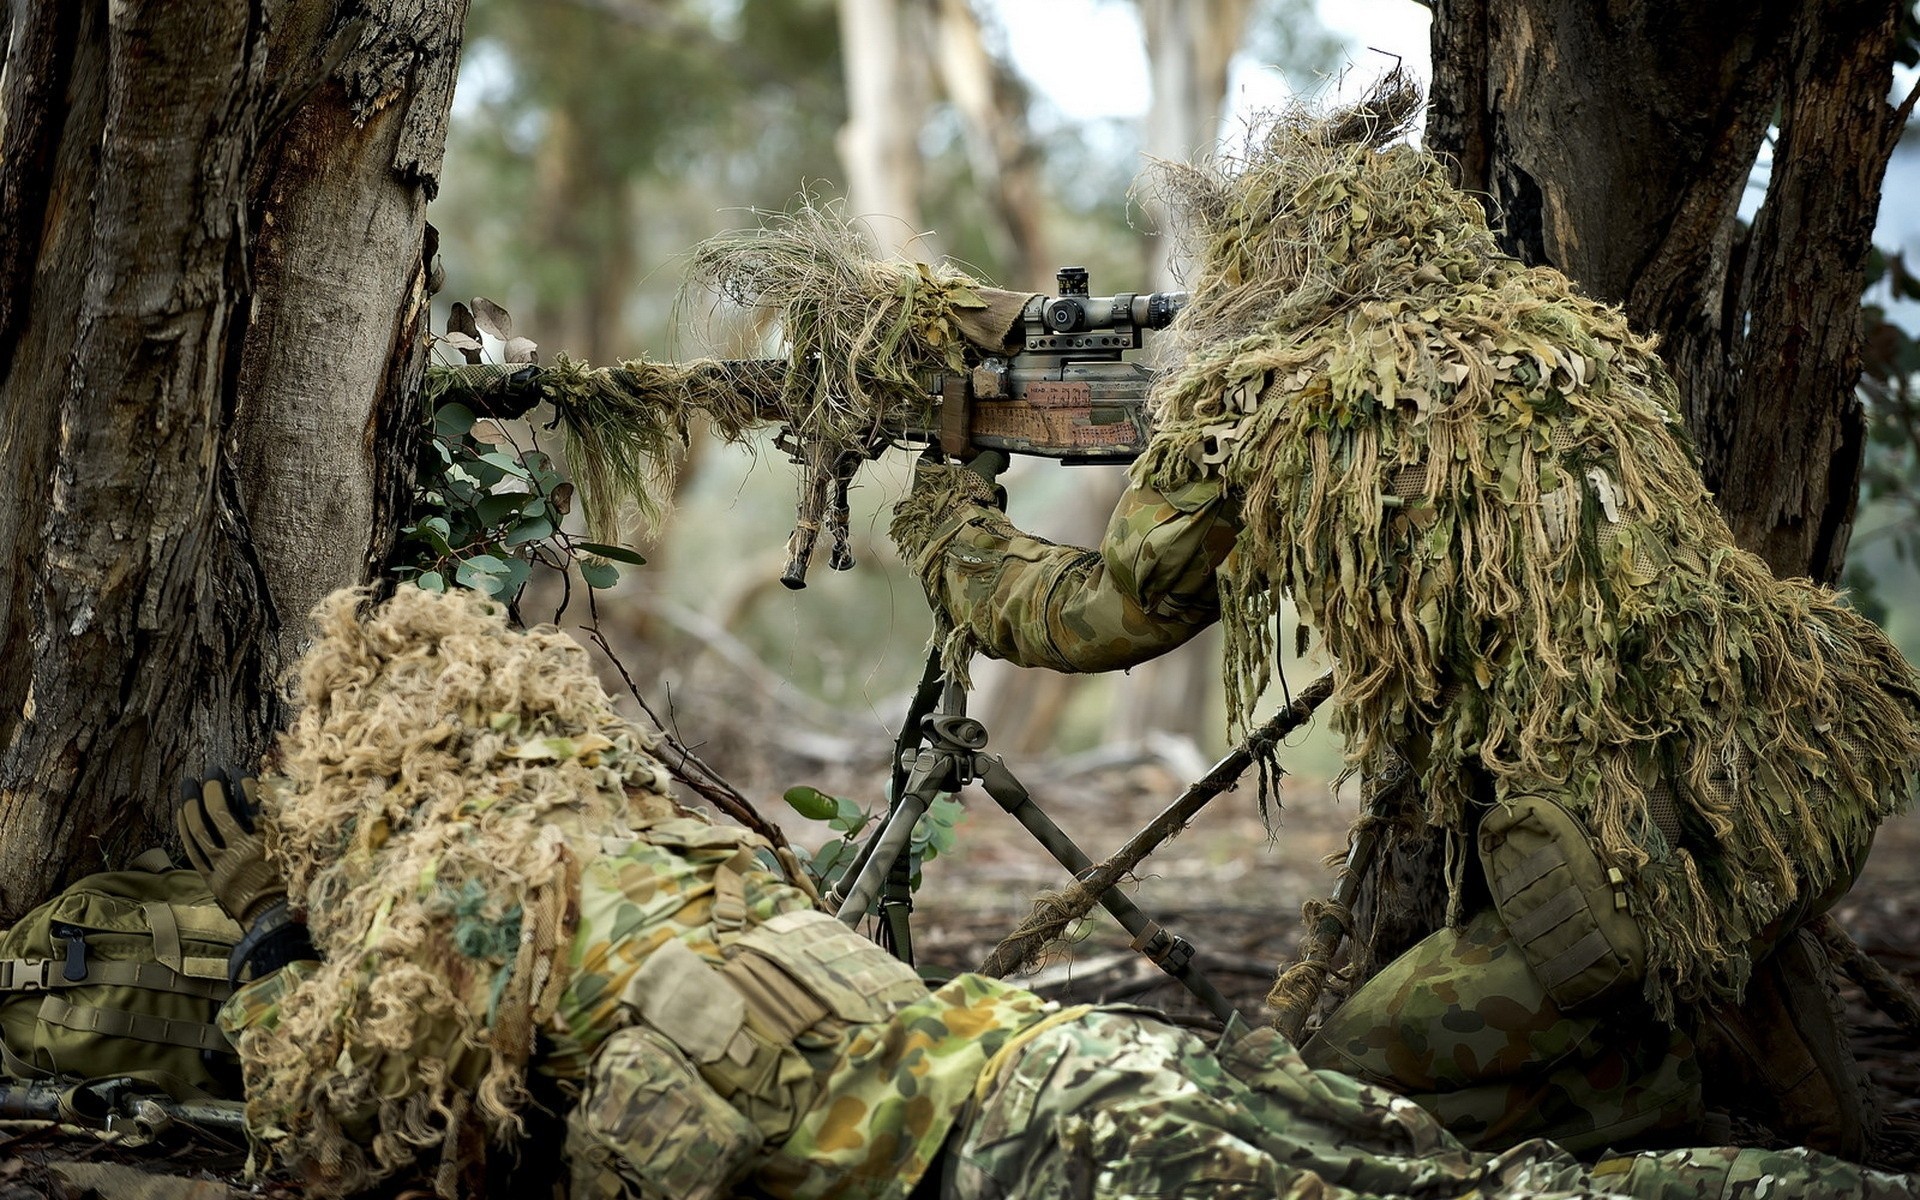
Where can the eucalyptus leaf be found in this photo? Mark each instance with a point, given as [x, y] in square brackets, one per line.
[492, 319]
[608, 550]
[452, 420]
[529, 531]
[507, 463]
[811, 803]
[599, 574]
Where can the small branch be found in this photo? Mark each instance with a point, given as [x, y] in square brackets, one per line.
[1054, 911]
[685, 765]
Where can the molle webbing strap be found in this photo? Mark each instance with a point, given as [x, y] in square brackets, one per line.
[1555, 912]
[113, 1022]
[1535, 867]
[730, 897]
[166, 933]
[12, 1064]
[1563, 967]
[779, 1006]
[43, 974]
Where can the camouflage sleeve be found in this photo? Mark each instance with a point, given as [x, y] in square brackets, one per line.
[1148, 589]
[256, 1005]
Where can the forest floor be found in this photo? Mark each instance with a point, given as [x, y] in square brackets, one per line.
[1226, 884]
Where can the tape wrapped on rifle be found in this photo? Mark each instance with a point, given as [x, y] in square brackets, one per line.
[1565, 909]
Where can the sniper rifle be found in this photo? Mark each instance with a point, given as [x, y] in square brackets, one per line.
[1062, 389]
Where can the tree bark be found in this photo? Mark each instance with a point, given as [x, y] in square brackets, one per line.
[213, 214]
[886, 105]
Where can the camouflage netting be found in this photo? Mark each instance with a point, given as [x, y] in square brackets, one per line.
[437, 774]
[859, 334]
[1464, 472]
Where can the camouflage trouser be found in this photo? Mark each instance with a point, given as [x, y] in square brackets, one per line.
[1115, 1107]
[1461, 1025]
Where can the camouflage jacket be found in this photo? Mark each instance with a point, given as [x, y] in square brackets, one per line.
[1149, 588]
[844, 1107]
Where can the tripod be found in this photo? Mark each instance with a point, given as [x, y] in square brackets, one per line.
[939, 750]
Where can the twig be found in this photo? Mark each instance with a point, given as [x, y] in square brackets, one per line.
[685, 765]
[1054, 911]
[1887, 991]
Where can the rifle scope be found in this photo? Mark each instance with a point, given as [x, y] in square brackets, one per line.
[1074, 311]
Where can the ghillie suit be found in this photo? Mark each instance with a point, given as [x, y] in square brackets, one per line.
[1472, 482]
[440, 781]
[721, 1036]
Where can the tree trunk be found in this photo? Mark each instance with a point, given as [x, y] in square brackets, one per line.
[213, 286]
[1189, 50]
[992, 103]
[886, 105]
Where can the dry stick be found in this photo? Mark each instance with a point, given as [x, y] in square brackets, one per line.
[1888, 992]
[690, 769]
[1054, 911]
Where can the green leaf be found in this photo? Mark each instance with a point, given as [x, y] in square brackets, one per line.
[811, 803]
[517, 571]
[832, 858]
[499, 506]
[529, 531]
[482, 573]
[431, 581]
[607, 550]
[599, 574]
[452, 420]
[507, 463]
[847, 816]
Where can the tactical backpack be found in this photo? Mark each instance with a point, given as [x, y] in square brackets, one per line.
[121, 975]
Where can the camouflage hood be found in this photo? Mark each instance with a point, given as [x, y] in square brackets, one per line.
[1473, 483]
[440, 771]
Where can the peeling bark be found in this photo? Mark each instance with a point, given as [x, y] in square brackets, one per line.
[174, 357]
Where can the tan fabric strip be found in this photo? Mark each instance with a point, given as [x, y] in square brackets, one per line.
[166, 933]
[112, 1022]
[781, 1007]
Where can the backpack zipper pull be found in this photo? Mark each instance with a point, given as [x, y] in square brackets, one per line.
[75, 970]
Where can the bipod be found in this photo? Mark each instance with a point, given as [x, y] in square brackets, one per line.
[947, 755]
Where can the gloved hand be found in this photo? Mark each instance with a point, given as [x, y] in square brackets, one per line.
[944, 498]
[224, 844]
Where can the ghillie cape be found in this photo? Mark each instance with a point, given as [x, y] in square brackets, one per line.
[1473, 483]
[437, 779]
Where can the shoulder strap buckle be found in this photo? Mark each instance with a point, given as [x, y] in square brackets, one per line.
[25, 974]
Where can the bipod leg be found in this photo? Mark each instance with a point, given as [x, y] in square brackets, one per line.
[926, 697]
[896, 907]
[1164, 949]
